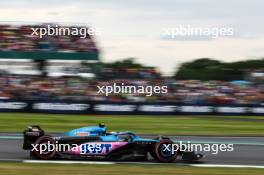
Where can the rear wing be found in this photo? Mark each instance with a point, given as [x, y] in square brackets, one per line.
[31, 134]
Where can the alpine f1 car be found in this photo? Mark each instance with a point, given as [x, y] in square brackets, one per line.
[95, 143]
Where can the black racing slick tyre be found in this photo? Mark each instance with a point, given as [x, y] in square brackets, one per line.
[162, 154]
[47, 153]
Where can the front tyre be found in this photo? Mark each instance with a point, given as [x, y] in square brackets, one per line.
[164, 154]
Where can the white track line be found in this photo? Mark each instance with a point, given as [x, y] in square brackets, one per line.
[68, 162]
[226, 166]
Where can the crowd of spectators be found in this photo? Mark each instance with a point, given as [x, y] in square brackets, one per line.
[20, 38]
[184, 91]
[18, 87]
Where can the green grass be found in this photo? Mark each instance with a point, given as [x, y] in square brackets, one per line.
[59, 169]
[166, 125]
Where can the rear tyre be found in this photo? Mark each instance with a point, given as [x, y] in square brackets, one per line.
[46, 154]
[162, 154]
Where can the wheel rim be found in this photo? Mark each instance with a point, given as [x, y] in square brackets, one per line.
[46, 154]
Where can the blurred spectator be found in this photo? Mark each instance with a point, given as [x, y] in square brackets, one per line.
[184, 91]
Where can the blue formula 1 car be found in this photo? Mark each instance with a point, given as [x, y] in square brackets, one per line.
[95, 143]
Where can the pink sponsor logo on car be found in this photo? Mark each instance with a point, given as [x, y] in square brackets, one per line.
[97, 148]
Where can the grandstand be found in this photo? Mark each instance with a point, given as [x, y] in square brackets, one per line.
[17, 43]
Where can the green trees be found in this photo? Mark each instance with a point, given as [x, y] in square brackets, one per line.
[209, 69]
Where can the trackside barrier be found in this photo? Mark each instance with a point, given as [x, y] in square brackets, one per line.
[100, 107]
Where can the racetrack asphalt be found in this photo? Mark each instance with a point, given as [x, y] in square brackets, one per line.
[247, 150]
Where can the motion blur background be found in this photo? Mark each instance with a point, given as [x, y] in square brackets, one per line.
[45, 73]
[71, 68]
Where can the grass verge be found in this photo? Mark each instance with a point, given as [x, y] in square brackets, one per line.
[77, 169]
[166, 125]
